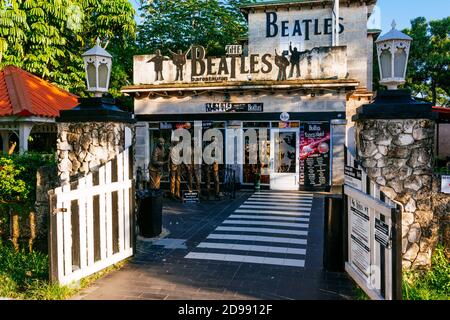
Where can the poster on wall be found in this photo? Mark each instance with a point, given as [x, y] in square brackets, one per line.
[360, 237]
[315, 155]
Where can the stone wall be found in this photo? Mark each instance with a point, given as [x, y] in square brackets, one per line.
[47, 179]
[398, 156]
[84, 147]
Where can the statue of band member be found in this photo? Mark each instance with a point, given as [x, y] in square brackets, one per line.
[194, 172]
[175, 172]
[156, 165]
[214, 170]
[295, 61]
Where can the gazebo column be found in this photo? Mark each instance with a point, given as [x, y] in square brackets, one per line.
[5, 140]
[24, 134]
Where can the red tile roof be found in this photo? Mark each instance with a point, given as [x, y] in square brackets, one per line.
[23, 94]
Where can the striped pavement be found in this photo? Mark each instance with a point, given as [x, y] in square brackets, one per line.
[268, 228]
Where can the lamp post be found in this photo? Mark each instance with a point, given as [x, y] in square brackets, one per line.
[393, 53]
[97, 66]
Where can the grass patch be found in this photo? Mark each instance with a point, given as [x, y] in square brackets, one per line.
[433, 284]
[24, 276]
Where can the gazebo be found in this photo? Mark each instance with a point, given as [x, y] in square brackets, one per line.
[29, 106]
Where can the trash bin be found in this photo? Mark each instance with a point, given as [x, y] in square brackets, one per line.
[257, 183]
[150, 213]
[333, 244]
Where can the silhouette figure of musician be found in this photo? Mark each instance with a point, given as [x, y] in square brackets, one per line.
[179, 60]
[158, 60]
[295, 61]
[282, 63]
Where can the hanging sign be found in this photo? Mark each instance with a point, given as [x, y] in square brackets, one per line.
[360, 237]
[353, 177]
[382, 233]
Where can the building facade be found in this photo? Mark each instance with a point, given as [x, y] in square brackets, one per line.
[296, 83]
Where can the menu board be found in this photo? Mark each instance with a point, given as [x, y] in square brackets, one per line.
[360, 237]
[315, 149]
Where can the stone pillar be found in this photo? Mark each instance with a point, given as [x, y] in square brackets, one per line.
[395, 143]
[89, 136]
[83, 147]
[338, 129]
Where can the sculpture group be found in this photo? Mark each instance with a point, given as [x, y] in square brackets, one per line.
[191, 172]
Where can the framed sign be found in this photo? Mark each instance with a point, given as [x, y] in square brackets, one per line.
[360, 237]
[191, 197]
[445, 186]
[382, 233]
[353, 177]
[234, 107]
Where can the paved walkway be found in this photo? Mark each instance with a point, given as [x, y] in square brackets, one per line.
[267, 245]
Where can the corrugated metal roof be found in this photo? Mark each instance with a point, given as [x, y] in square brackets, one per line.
[23, 94]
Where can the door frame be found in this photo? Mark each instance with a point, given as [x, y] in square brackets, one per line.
[273, 174]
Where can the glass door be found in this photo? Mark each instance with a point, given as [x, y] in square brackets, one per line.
[284, 159]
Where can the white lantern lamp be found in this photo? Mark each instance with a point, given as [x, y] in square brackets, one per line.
[393, 53]
[97, 65]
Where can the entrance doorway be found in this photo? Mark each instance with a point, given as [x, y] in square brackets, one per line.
[284, 159]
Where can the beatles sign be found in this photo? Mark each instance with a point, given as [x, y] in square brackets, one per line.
[196, 66]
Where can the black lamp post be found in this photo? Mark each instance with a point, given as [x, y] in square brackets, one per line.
[393, 52]
[97, 66]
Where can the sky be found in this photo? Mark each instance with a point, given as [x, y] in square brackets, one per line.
[403, 11]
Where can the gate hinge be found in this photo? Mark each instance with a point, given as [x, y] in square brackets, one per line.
[59, 210]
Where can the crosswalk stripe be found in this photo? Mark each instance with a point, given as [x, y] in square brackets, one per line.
[239, 237]
[263, 230]
[245, 247]
[267, 223]
[278, 201]
[283, 194]
[273, 203]
[248, 259]
[281, 197]
[278, 218]
[278, 212]
[247, 206]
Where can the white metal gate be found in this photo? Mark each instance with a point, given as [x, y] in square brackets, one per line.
[92, 221]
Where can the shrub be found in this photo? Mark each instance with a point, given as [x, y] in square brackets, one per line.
[433, 284]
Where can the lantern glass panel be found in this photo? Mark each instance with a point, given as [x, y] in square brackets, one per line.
[91, 75]
[386, 64]
[400, 63]
[103, 76]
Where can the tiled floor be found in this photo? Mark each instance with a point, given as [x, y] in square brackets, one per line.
[228, 250]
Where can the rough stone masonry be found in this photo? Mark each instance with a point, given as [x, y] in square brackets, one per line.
[398, 156]
[84, 147]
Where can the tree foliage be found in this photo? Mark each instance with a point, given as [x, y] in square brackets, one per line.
[428, 70]
[177, 24]
[47, 37]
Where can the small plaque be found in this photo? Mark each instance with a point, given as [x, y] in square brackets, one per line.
[382, 233]
[191, 197]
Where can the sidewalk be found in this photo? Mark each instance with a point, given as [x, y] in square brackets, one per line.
[211, 253]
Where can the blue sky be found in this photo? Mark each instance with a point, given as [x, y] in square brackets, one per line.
[405, 10]
[402, 11]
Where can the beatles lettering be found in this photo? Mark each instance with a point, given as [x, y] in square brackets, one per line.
[299, 28]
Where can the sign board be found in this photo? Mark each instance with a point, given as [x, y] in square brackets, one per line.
[360, 237]
[445, 186]
[315, 148]
[353, 177]
[317, 63]
[234, 107]
[191, 197]
[382, 233]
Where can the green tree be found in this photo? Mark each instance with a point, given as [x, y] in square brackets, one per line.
[428, 70]
[47, 37]
[177, 24]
